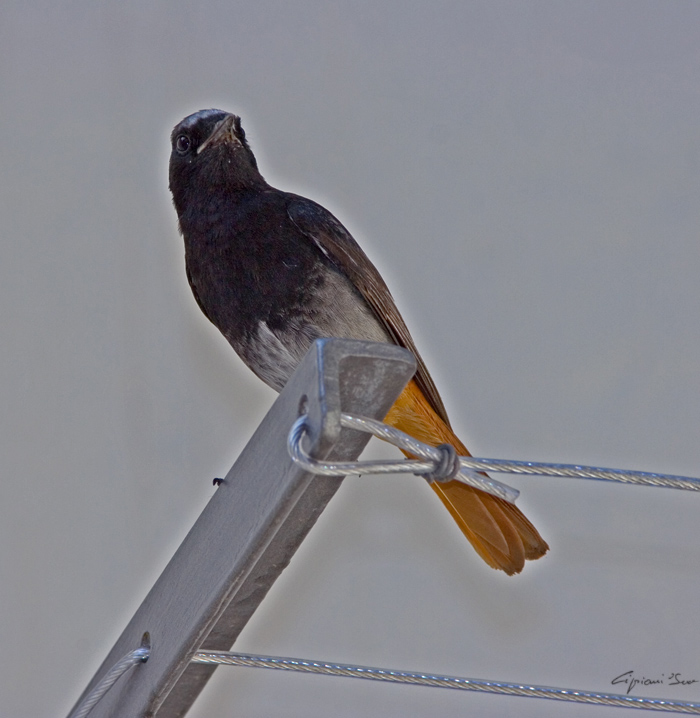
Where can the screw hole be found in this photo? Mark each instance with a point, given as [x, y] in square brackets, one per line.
[303, 405]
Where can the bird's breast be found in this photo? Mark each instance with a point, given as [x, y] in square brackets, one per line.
[271, 291]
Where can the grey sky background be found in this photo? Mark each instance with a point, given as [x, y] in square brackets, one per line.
[526, 177]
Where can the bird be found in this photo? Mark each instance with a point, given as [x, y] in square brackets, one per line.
[274, 271]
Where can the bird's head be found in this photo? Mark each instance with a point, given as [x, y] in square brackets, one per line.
[209, 150]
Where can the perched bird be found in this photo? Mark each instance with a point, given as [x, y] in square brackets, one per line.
[275, 271]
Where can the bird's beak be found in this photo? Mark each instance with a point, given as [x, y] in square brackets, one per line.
[221, 134]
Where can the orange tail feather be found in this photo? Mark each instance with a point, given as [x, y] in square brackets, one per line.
[498, 530]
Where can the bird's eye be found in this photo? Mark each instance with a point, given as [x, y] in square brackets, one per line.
[183, 144]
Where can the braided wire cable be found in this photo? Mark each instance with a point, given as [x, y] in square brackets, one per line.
[437, 681]
[470, 466]
[431, 457]
[140, 655]
[576, 471]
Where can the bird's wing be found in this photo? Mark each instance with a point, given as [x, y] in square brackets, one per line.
[336, 243]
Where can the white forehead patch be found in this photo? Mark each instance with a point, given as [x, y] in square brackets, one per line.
[197, 116]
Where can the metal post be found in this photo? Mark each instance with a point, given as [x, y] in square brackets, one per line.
[250, 529]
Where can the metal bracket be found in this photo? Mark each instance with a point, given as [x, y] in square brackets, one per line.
[251, 528]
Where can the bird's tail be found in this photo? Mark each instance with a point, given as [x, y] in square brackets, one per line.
[498, 530]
